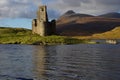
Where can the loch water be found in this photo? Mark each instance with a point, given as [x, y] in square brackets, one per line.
[60, 62]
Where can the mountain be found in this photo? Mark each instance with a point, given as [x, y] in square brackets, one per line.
[70, 16]
[76, 24]
[111, 15]
[70, 12]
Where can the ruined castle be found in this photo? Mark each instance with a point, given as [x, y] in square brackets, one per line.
[41, 25]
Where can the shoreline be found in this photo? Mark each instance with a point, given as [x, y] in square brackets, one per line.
[70, 42]
[25, 36]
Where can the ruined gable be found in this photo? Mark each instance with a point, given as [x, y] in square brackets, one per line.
[41, 25]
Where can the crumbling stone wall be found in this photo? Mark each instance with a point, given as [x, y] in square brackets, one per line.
[41, 25]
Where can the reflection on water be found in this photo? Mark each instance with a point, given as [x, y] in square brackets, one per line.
[65, 62]
[39, 62]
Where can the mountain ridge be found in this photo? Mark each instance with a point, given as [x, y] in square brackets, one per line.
[111, 15]
[79, 25]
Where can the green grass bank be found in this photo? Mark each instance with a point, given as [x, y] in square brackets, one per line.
[24, 36]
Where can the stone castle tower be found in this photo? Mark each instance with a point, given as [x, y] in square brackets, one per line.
[41, 25]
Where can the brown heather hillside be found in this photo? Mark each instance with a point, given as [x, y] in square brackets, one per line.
[73, 24]
[113, 34]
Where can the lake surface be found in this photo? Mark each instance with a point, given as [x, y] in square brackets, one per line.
[64, 62]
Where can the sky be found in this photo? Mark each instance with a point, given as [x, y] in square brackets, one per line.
[19, 13]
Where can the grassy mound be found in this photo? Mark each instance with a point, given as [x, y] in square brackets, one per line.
[113, 34]
[24, 36]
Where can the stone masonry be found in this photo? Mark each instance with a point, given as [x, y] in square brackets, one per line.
[41, 25]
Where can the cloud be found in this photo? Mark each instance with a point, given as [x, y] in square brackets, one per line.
[18, 8]
[94, 7]
[27, 8]
[52, 14]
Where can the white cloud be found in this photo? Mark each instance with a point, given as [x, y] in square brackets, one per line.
[18, 8]
[27, 8]
[95, 7]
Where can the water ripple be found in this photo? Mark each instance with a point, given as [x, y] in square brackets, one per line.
[65, 62]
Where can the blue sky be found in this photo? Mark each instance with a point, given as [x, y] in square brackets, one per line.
[16, 22]
[19, 13]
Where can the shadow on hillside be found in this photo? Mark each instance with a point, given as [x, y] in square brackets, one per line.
[86, 29]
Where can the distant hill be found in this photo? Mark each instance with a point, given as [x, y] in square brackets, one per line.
[70, 16]
[70, 12]
[111, 15]
[113, 34]
[15, 31]
[75, 24]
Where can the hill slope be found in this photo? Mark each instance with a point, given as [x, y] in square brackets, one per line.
[70, 16]
[24, 36]
[111, 15]
[113, 34]
[74, 25]
[15, 31]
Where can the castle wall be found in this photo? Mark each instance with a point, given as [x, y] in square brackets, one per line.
[34, 26]
[41, 29]
[53, 27]
[42, 14]
[41, 25]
